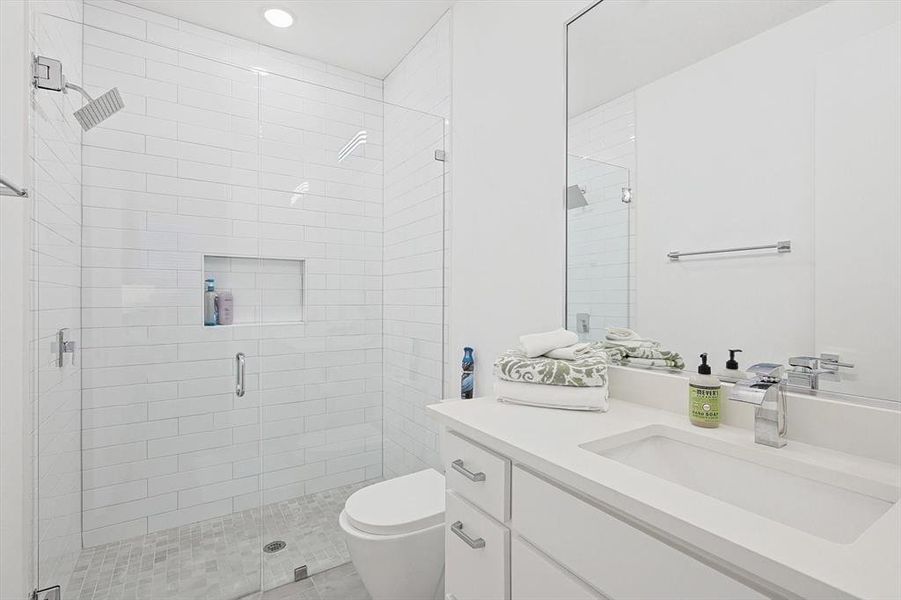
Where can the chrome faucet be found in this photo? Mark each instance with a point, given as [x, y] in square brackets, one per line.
[805, 371]
[766, 392]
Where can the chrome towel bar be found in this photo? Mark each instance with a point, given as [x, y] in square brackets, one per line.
[783, 246]
[9, 189]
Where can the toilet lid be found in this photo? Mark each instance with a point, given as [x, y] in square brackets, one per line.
[400, 505]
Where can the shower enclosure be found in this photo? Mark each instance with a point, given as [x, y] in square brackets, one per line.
[168, 452]
[598, 235]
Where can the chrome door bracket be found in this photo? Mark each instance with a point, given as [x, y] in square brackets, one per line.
[62, 346]
[54, 592]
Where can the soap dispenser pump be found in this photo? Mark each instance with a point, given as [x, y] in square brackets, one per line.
[732, 373]
[704, 395]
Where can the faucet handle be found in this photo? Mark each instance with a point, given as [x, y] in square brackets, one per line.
[805, 362]
[768, 372]
[831, 362]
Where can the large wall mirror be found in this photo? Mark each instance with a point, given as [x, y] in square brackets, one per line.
[698, 129]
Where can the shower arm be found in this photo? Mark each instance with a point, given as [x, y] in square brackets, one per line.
[77, 88]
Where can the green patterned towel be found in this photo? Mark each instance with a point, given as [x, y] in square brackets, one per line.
[643, 357]
[589, 370]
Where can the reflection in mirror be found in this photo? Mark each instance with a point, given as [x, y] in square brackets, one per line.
[731, 125]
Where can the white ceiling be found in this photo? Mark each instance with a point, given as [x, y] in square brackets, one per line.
[367, 36]
[621, 45]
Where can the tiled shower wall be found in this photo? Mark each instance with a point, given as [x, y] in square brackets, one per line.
[55, 196]
[601, 236]
[416, 251]
[213, 158]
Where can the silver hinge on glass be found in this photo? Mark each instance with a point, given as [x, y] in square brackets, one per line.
[52, 593]
[440, 155]
[62, 346]
[583, 322]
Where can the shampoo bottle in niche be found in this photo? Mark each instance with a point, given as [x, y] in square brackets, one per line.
[225, 308]
[210, 303]
[704, 394]
[467, 379]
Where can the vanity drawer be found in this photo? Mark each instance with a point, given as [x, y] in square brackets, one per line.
[534, 577]
[479, 475]
[614, 557]
[476, 553]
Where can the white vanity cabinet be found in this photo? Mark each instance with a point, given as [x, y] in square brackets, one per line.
[512, 534]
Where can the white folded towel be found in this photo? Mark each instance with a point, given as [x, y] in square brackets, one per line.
[626, 338]
[552, 396]
[536, 344]
[570, 352]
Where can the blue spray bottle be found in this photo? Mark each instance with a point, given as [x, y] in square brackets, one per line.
[467, 380]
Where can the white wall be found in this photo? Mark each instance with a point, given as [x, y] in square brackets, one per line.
[417, 199]
[726, 157]
[15, 215]
[508, 131]
[205, 158]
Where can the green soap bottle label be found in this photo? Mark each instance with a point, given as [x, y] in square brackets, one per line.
[704, 404]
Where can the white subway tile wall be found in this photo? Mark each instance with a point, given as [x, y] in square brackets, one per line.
[225, 158]
[55, 196]
[416, 266]
[601, 236]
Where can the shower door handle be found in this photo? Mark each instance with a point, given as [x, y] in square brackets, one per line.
[239, 374]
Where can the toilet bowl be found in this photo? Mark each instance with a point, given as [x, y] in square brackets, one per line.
[395, 535]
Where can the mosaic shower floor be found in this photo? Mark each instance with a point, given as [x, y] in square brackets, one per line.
[218, 558]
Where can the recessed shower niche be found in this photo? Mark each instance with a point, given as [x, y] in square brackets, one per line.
[264, 290]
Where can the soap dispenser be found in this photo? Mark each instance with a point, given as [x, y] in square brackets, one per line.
[704, 395]
[732, 373]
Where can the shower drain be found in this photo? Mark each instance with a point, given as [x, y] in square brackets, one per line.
[274, 546]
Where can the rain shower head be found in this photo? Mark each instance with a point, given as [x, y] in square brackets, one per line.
[48, 75]
[575, 197]
[97, 109]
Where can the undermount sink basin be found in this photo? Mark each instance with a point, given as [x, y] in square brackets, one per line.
[832, 505]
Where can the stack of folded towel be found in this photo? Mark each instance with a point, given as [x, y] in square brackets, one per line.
[628, 348]
[553, 370]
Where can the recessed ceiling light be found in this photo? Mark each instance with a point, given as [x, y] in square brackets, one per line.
[278, 17]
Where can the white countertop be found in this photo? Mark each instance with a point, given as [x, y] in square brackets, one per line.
[548, 441]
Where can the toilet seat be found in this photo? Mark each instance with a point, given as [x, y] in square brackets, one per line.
[401, 505]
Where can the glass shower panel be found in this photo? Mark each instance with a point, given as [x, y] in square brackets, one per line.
[148, 456]
[598, 197]
[414, 282]
[56, 240]
[328, 241]
[321, 248]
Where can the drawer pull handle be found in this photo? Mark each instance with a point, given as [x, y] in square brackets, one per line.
[459, 468]
[472, 543]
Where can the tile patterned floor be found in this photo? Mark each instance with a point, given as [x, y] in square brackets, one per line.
[219, 558]
[339, 583]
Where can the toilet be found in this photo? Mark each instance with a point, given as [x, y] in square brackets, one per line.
[394, 531]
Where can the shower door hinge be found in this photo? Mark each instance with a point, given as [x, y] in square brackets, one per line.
[47, 74]
[54, 592]
[440, 155]
[62, 346]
